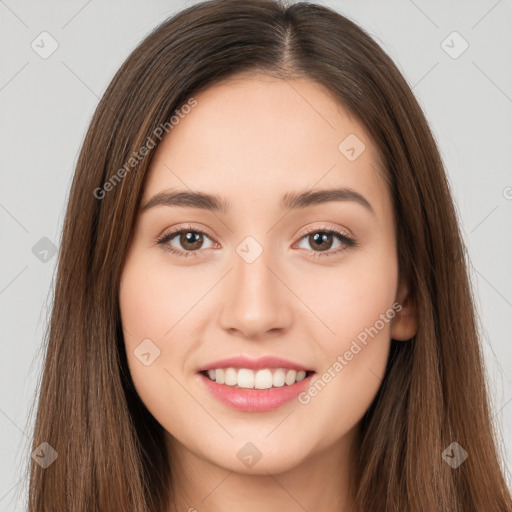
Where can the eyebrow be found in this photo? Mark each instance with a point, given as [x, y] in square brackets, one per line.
[291, 200]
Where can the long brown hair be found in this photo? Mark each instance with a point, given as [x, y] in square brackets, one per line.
[111, 451]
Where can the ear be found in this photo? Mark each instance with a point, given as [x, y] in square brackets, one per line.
[405, 323]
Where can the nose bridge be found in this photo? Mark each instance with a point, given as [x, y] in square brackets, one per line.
[254, 301]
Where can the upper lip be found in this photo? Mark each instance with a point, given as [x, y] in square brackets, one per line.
[254, 364]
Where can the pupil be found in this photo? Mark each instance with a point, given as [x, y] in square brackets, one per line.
[195, 239]
[320, 238]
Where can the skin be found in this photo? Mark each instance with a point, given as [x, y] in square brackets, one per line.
[252, 139]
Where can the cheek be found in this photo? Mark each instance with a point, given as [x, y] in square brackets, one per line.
[154, 298]
[151, 303]
[352, 299]
[355, 360]
[357, 305]
[141, 305]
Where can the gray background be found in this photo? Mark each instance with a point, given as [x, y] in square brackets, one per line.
[46, 105]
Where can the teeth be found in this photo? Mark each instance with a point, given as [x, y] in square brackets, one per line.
[278, 378]
[219, 376]
[290, 377]
[260, 379]
[245, 377]
[230, 377]
[300, 376]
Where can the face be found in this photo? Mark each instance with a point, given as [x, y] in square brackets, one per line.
[297, 290]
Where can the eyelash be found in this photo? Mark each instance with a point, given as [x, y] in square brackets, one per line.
[342, 237]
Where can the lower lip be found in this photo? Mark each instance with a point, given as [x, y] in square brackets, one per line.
[255, 400]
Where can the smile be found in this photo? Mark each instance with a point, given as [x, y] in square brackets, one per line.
[255, 385]
[245, 378]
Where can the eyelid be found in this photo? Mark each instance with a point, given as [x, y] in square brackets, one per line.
[170, 234]
[307, 230]
[347, 240]
[185, 227]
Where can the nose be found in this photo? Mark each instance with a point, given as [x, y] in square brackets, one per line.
[255, 302]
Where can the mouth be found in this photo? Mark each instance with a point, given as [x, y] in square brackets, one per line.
[265, 378]
[255, 385]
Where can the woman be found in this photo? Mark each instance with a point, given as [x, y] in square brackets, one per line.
[262, 298]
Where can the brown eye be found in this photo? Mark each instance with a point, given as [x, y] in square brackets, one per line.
[185, 242]
[191, 240]
[321, 240]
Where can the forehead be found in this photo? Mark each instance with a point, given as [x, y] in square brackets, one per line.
[250, 136]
